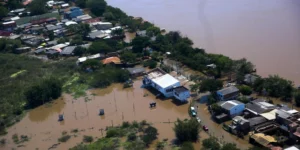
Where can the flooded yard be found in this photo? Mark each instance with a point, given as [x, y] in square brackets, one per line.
[43, 129]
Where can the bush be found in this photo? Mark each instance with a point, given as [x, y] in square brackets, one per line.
[97, 7]
[188, 146]
[88, 139]
[125, 124]
[64, 138]
[245, 90]
[150, 134]
[115, 132]
[211, 85]
[131, 137]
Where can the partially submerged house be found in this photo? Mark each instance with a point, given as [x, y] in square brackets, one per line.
[228, 93]
[135, 72]
[167, 85]
[232, 107]
[250, 78]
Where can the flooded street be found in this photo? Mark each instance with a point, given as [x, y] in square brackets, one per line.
[265, 32]
[43, 129]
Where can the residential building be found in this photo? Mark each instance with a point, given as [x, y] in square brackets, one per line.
[135, 72]
[83, 59]
[68, 51]
[111, 60]
[228, 93]
[73, 13]
[232, 108]
[181, 93]
[102, 25]
[259, 106]
[240, 124]
[21, 50]
[98, 34]
[5, 33]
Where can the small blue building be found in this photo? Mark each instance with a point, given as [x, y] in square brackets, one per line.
[73, 13]
[232, 108]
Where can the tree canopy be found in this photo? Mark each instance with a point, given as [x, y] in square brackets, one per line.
[3, 12]
[128, 57]
[139, 43]
[211, 85]
[187, 130]
[297, 98]
[37, 7]
[99, 47]
[97, 7]
[211, 143]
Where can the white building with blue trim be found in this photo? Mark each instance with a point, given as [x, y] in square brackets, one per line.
[166, 85]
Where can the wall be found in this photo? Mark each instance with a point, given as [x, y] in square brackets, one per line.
[236, 110]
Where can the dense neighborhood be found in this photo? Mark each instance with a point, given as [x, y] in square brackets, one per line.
[50, 47]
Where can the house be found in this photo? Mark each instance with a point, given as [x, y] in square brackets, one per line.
[232, 107]
[73, 13]
[250, 78]
[65, 5]
[161, 81]
[271, 115]
[259, 106]
[240, 124]
[51, 27]
[10, 25]
[68, 51]
[51, 53]
[83, 17]
[135, 72]
[102, 25]
[91, 20]
[21, 50]
[39, 51]
[97, 35]
[33, 41]
[51, 43]
[181, 93]
[111, 60]
[228, 93]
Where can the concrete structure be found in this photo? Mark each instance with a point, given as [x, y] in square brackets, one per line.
[233, 107]
[167, 85]
[228, 93]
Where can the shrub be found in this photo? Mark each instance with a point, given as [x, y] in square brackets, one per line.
[115, 132]
[187, 130]
[150, 134]
[188, 146]
[150, 63]
[245, 90]
[131, 137]
[125, 124]
[64, 138]
[88, 139]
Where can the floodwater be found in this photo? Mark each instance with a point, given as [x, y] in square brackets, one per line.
[265, 32]
[42, 127]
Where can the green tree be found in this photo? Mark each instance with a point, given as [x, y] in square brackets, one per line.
[139, 43]
[211, 85]
[150, 134]
[131, 137]
[242, 67]
[278, 87]
[245, 90]
[153, 31]
[229, 146]
[3, 12]
[81, 3]
[150, 63]
[211, 143]
[80, 29]
[97, 7]
[99, 47]
[94, 64]
[128, 57]
[117, 32]
[37, 7]
[79, 51]
[216, 109]
[76, 40]
[297, 98]
[13, 4]
[135, 145]
[187, 130]
[187, 146]
[113, 13]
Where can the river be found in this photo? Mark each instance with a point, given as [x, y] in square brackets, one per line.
[265, 32]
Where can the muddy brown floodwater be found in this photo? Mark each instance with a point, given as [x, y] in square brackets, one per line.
[265, 32]
[42, 126]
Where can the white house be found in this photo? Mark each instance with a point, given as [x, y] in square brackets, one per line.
[165, 84]
[233, 108]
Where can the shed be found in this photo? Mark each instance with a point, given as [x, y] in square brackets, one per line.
[233, 107]
[135, 72]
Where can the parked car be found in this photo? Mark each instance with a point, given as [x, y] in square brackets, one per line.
[193, 112]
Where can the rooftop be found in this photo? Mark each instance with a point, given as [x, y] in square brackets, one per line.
[165, 80]
[229, 104]
[135, 70]
[115, 60]
[228, 90]
[157, 72]
[180, 89]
